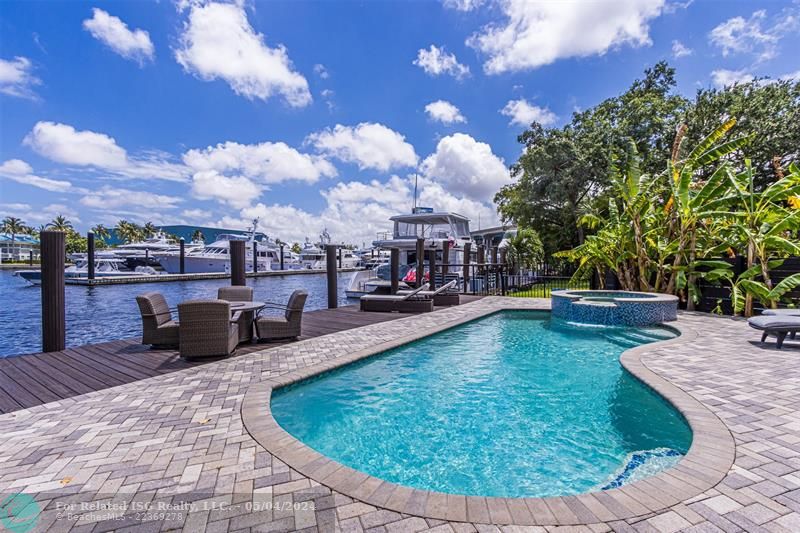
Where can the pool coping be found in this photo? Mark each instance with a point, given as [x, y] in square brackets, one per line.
[708, 460]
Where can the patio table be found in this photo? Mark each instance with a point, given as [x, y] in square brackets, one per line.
[247, 307]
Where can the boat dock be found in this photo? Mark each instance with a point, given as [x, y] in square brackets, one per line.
[157, 278]
[34, 379]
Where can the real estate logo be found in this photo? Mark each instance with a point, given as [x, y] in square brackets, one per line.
[19, 512]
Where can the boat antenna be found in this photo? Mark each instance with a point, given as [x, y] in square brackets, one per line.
[414, 207]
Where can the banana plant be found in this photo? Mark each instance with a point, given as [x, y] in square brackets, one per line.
[764, 223]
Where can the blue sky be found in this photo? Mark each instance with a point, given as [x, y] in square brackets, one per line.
[319, 114]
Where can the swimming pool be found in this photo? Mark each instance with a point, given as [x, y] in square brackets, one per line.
[515, 404]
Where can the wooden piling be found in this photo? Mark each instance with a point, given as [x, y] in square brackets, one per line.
[30, 257]
[182, 256]
[445, 259]
[330, 274]
[420, 261]
[432, 268]
[494, 255]
[282, 245]
[255, 256]
[237, 262]
[467, 247]
[90, 254]
[53, 252]
[340, 257]
[394, 260]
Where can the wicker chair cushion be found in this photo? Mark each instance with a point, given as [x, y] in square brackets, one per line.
[235, 294]
[154, 306]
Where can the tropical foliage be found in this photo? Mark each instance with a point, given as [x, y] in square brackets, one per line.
[524, 250]
[563, 172]
[665, 232]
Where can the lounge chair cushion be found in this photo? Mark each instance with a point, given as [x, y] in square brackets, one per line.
[781, 312]
[774, 322]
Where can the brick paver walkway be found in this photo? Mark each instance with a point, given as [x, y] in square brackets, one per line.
[134, 457]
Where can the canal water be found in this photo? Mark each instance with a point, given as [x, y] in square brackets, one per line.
[105, 313]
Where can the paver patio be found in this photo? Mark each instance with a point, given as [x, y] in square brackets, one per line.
[179, 438]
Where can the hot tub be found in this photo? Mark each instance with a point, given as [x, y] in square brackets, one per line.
[614, 308]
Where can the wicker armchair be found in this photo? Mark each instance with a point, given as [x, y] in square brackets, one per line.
[158, 328]
[285, 327]
[207, 329]
[240, 294]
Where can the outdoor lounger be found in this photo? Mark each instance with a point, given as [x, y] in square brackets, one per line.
[779, 325]
[402, 303]
[442, 296]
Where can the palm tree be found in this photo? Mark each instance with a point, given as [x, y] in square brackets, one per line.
[61, 223]
[198, 236]
[524, 249]
[101, 232]
[128, 232]
[150, 229]
[13, 226]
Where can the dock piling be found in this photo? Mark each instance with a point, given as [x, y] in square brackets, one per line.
[30, 257]
[237, 263]
[182, 256]
[467, 247]
[330, 273]
[255, 256]
[53, 253]
[340, 257]
[282, 245]
[432, 268]
[90, 254]
[445, 259]
[394, 260]
[420, 261]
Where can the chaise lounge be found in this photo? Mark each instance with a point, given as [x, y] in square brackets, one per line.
[443, 296]
[779, 325]
[400, 303]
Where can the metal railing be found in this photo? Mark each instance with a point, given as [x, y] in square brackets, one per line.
[489, 279]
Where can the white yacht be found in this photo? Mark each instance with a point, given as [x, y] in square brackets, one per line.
[143, 253]
[314, 256]
[215, 257]
[435, 228]
[104, 267]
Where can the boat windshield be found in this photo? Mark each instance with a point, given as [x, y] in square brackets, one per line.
[437, 230]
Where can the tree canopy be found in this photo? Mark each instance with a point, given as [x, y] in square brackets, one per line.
[564, 172]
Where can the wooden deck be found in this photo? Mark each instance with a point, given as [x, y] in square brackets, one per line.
[34, 379]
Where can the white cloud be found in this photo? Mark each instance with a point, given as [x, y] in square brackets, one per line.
[218, 42]
[321, 71]
[436, 61]
[111, 31]
[369, 145]
[64, 144]
[463, 165]
[17, 79]
[534, 34]
[356, 212]
[236, 191]
[266, 162]
[463, 5]
[723, 77]
[754, 35]
[109, 198]
[680, 50]
[21, 172]
[35, 216]
[522, 113]
[444, 112]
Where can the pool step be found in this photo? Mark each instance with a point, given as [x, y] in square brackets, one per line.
[637, 337]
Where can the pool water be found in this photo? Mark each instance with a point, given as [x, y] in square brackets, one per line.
[512, 405]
